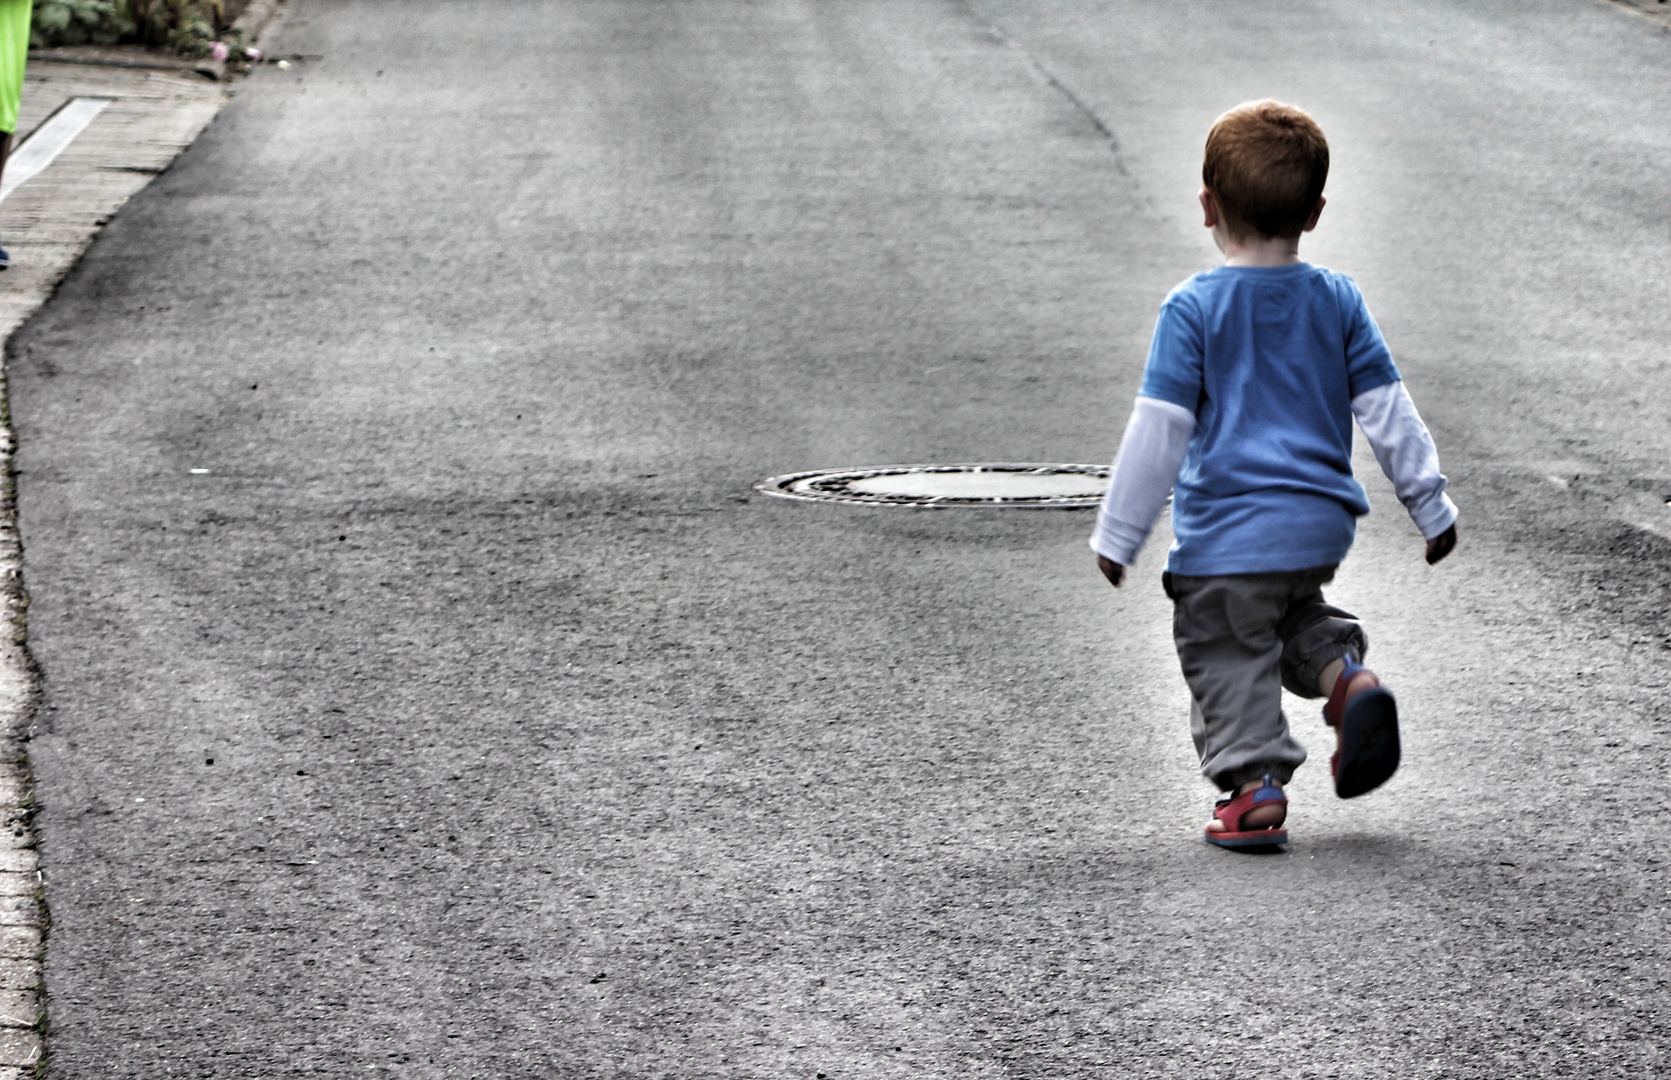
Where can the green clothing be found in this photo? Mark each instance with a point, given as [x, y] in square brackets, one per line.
[14, 53]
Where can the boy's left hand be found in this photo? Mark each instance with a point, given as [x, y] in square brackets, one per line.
[1113, 571]
[1441, 545]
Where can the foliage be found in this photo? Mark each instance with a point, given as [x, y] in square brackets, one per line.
[185, 26]
[74, 22]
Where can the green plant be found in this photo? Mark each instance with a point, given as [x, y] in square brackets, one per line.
[185, 26]
[75, 22]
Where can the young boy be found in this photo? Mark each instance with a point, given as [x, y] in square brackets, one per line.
[1255, 374]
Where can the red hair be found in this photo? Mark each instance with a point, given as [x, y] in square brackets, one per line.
[1266, 164]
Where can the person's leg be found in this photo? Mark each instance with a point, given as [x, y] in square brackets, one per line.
[1225, 631]
[15, 16]
[14, 54]
[1318, 641]
[1316, 636]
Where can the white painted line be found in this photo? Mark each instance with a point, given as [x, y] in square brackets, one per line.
[49, 140]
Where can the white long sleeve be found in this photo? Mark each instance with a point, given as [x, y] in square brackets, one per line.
[1151, 452]
[1407, 455]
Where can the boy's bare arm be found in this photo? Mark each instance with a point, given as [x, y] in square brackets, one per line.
[1113, 571]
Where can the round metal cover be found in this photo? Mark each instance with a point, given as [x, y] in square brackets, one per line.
[1009, 486]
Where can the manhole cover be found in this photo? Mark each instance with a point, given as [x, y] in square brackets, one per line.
[1020, 486]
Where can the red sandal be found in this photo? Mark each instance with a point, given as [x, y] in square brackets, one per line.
[1229, 811]
[1367, 721]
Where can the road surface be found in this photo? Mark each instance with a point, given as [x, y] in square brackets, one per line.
[426, 694]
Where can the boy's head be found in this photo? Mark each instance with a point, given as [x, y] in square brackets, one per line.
[1265, 165]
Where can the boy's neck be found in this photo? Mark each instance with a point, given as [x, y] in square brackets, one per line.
[1257, 250]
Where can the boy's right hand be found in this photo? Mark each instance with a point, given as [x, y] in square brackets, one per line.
[1113, 571]
[1441, 545]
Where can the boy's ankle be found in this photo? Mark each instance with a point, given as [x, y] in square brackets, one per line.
[1329, 676]
[1328, 681]
[1278, 776]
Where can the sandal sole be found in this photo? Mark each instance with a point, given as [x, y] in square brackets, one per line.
[1248, 839]
[1369, 744]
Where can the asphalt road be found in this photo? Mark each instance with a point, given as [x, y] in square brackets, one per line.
[542, 748]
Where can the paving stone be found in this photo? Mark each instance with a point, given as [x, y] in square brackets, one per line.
[22, 910]
[19, 974]
[20, 942]
[19, 1047]
[19, 1008]
[19, 860]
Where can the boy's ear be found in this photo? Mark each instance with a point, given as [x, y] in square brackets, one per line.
[1209, 208]
[1316, 212]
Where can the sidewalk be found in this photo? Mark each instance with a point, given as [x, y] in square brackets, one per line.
[47, 223]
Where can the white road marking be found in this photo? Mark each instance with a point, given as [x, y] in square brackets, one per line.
[49, 140]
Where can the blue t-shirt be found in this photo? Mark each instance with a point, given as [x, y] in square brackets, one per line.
[1269, 360]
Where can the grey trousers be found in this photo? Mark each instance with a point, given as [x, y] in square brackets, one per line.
[1242, 638]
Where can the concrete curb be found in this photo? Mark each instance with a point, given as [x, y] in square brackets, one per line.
[48, 222]
[255, 19]
[111, 57]
[247, 28]
[125, 58]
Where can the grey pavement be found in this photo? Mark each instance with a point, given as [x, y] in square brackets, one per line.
[426, 695]
[58, 195]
